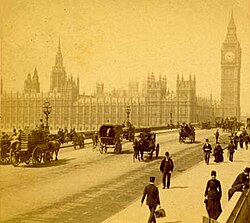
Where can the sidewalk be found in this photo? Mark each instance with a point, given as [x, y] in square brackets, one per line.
[183, 202]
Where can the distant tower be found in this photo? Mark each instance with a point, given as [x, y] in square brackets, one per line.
[35, 83]
[186, 99]
[230, 73]
[58, 76]
[156, 91]
[27, 84]
[32, 85]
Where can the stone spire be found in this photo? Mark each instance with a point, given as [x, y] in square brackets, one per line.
[231, 28]
[59, 58]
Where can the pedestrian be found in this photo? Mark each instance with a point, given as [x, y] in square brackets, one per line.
[231, 149]
[241, 182]
[241, 140]
[95, 140]
[236, 140]
[218, 153]
[74, 138]
[153, 199]
[213, 194]
[157, 149]
[246, 140]
[217, 134]
[207, 148]
[166, 167]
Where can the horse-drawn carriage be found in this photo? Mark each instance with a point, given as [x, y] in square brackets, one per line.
[110, 137]
[145, 142]
[35, 146]
[186, 132]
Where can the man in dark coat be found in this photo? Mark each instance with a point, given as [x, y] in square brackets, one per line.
[152, 193]
[207, 148]
[217, 134]
[241, 182]
[246, 140]
[231, 147]
[236, 140]
[167, 167]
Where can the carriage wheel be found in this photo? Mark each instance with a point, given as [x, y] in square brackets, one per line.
[5, 160]
[14, 158]
[46, 157]
[37, 156]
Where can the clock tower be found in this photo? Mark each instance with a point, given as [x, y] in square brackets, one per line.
[230, 73]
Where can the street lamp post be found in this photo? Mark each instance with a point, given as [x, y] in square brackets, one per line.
[128, 113]
[47, 110]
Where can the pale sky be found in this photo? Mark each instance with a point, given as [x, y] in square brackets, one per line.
[114, 41]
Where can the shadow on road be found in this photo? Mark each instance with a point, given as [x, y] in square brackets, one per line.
[179, 187]
[53, 163]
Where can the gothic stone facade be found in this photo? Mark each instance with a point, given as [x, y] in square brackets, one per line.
[154, 106]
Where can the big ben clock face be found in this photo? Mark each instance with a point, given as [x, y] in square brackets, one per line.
[229, 56]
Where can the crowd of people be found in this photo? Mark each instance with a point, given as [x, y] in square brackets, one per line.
[213, 189]
[237, 140]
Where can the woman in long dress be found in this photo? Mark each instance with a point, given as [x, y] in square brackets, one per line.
[213, 196]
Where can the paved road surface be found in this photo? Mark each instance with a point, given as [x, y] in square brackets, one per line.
[85, 186]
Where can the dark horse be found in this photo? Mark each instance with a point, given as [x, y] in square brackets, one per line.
[142, 145]
[54, 146]
[138, 150]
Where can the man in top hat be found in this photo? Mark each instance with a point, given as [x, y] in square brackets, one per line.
[241, 182]
[166, 167]
[207, 148]
[152, 193]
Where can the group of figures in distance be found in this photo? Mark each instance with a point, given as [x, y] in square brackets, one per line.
[186, 131]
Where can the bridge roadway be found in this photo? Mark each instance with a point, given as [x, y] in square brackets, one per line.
[86, 186]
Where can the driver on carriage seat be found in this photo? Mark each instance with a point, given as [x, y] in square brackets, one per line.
[15, 139]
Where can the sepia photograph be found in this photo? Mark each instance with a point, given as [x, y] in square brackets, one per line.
[125, 111]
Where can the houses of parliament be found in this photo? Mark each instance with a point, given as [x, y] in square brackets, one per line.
[155, 105]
